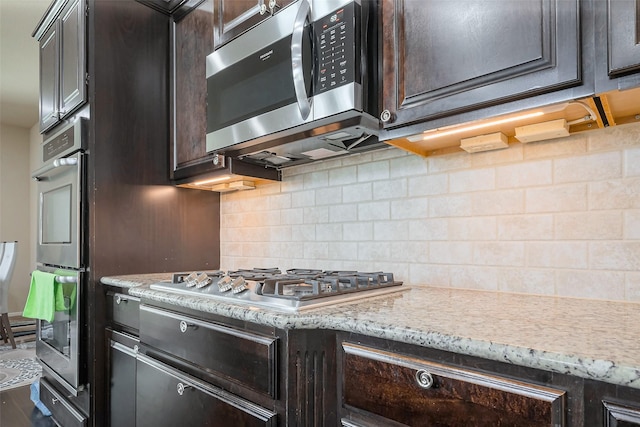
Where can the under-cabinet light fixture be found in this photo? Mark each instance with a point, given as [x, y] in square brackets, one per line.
[492, 141]
[543, 131]
[440, 132]
[211, 181]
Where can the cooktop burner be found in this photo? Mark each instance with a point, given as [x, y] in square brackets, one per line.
[291, 291]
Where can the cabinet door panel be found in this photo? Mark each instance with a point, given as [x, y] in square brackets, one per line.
[166, 397]
[442, 57]
[72, 64]
[49, 78]
[192, 42]
[239, 356]
[624, 36]
[233, 17]
[621, 415]
[396, 388]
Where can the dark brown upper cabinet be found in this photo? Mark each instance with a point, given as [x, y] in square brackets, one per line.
[617, 25]
[623, 31]
[62, 64]
[234, 17]
[192, 41]
[443, 58]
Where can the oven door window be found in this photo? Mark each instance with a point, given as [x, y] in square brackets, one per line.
[57, 215]
[58, 333]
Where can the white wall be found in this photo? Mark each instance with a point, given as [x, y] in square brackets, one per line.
[557, 218]
[15, 207]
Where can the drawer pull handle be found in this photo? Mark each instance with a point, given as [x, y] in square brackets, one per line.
[424, 379]
[54, 400]
[119, 299]
[184, 326]
[181, 388]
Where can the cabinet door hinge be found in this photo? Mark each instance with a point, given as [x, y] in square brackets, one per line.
[86, 79]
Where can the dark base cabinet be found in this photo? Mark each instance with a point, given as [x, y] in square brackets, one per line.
[421, 393]
[122, 393]
[168, 397]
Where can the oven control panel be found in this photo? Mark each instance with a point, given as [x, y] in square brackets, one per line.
[68, 140]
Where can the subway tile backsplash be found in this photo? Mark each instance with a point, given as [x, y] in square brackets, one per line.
[557, 217]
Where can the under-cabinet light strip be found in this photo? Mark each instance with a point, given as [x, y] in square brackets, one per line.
[211, 181]
[437, 133]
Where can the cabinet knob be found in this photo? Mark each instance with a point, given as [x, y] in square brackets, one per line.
[184, 326]
[386, 116]
[181, 388]
[424, 379]
[120, 300]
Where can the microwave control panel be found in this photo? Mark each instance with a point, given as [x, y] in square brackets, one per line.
[335, 49]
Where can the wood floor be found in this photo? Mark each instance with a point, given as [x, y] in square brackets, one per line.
[17, 410]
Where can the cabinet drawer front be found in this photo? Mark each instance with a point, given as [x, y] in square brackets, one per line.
[61, 411]
[420, 393]
[125, 311]
[239, 356]
[166, 397]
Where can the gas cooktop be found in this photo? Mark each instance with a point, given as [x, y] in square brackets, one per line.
[291, 291]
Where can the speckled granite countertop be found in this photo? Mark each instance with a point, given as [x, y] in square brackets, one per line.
[587, 338]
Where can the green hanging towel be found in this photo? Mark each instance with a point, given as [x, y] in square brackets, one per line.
[41, 299]
[65, 296]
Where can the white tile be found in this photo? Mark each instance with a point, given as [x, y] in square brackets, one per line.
[316, 180]
[615, 137]
[632, 224]
[591, 167]
[590, 284]
[592, 225]
[428, 274]
[406, 166]
[390, 231]
[328, 196]
[303, 233]
[373, 171]
[473, 228]
[444, 252]
[358, 231]
[343, 176]
[429, 185]
[632, 162]
[328, 232]
[615, 194]
[429, 229]
[343, 251]
[473, 277]
[316, 215]
[374, 251]
[410, 208]
[410, 252]
[292, 216]
[557, 254]
[450, 206]
[373, 211]
[316, 250]
[343, 213]
[573, 145]
[526, 280]
[357, 193]
[303, 199]
[500, 202]
[617, 255]
[279, 201]
[499, 253]
[392, 189]
[632, 286]
[525, 227]
[560, 198]
[526, 174]
[472, 180]
[449, 162]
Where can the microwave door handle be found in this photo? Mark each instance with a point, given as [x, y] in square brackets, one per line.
[296, 59]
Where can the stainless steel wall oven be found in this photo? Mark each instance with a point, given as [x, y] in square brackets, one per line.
[59, 250]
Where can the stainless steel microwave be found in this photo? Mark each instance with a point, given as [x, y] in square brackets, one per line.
[298, 87]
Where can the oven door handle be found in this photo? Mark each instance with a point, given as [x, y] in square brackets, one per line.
[41, 174]
[296, 59]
